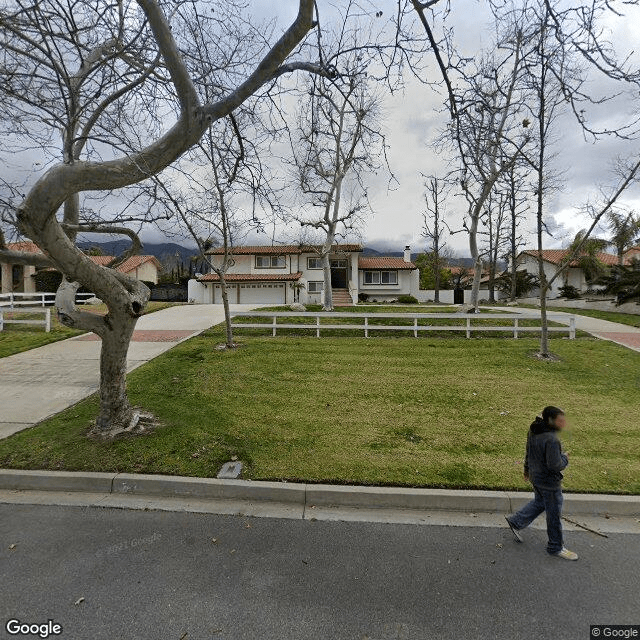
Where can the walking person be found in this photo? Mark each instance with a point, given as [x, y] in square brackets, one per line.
[543, 467]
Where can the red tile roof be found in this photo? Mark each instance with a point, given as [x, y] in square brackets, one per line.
[283, 249]
[385, 263]
[457, 270]
[555, 256]
[24, 247]
[134, 262]
[103, 261]
[129, 265]
[251, 277]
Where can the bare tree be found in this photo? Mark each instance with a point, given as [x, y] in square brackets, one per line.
[80, 47]
[495, 220]
[517, 202]
[336, 146]
[217, 190]
[556, 78]
[433, 228]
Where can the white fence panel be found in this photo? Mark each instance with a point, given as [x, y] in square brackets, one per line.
[45, 322]
[468, 327]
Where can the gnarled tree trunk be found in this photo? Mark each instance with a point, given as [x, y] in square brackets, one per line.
[115, 410]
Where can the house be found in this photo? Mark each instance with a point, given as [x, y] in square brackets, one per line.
[283, 274]
[144, 268]
[553, 258]
[20, 278]
[631, 254]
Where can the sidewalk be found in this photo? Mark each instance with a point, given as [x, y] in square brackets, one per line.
[41, 382]
[622, 334]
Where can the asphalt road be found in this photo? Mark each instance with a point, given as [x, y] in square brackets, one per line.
[160, 576]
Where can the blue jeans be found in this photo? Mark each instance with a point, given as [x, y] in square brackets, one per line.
[550, 501]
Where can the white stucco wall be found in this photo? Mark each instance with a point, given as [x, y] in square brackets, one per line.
[147, 272]
[198, 292]
[573, 276]
[446, 296]
[27, 284]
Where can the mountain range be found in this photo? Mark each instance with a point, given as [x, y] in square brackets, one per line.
[171, 254]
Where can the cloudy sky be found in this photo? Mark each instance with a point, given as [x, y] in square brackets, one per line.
[416, 116]
[413, 117]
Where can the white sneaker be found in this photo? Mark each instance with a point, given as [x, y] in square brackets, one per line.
[566, 554]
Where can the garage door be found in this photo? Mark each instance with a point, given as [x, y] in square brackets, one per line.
[260, 293]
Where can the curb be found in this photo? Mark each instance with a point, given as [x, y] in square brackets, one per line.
[306, 495]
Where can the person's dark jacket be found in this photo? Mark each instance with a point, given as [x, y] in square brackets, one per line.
[544, 460]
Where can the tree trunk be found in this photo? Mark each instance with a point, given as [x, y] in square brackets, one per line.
[227, 312]
[492, 281]
[327, 293]
[544, 325]
[514, 266]
[115, 410]
[436, 277]
[477, 263]
[475, 255]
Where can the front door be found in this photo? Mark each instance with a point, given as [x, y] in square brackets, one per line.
[338, 274]
[18, 278]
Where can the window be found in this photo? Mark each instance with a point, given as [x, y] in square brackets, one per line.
[380, 277]
[389, 277]
[271, 262]
[338, 264]
[314, 263]
[315, 287]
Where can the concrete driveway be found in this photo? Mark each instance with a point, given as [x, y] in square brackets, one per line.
[41, 382]
[622, 334]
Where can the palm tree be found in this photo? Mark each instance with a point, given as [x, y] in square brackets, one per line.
[624, 282]
[625, 231]
[587, 259]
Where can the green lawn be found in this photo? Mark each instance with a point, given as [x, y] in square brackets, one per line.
[22, 337]
[397, 411]
[630, 319]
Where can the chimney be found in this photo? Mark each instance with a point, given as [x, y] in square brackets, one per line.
[407, 254]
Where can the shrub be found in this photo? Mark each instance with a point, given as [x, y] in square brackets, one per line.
[525, 283]
[47, 281]
[569, 292]
[406, 299]
[363, 297]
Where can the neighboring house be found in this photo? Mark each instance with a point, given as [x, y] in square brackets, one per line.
[283, 274]
[17, 278]
[145, 268]
[631, 254]
[553, 258]
[20, 278]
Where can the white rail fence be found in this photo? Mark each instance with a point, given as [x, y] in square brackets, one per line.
[45, 320]
[411, 325]
[13, 300]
